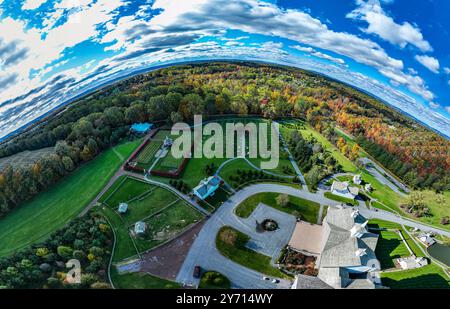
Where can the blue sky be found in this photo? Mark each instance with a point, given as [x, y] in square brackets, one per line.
[51, 51]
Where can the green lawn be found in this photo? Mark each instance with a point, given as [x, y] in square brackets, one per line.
[52, 209]
[231, 244]
[427, 277]
[148, 153]
[389, 247]
[124, 244]
[141, 281]
[439, 208]
[149, 204]
[305, 209]
[341, 199]
[214, 280]
[167, 224]
[125, 190]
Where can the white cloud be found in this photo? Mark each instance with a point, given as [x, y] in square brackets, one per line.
[434, 105]
[430, 63]
[447, 108]
[32, 4]
[318, 54]
[447, 70]
[272, 45]
[385, 27]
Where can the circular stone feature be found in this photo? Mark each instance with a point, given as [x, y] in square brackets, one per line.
[269, 225]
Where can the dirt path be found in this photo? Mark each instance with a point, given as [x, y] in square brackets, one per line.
[166, 261]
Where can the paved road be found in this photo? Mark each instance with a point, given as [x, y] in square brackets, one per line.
[291, 158]
[388, 216]
[204, 253]
[391, 182]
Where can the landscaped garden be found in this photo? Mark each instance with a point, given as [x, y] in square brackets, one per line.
[231, 244]
[164, 213]
[301, 208]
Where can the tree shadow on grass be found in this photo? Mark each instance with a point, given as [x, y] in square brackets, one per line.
[428, 281]
[384, 250]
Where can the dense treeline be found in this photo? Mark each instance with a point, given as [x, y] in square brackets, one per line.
[43, 265]
[417, 155]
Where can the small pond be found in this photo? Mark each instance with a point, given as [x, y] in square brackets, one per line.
[440, 253]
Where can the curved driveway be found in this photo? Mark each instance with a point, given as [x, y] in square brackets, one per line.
[205, 254]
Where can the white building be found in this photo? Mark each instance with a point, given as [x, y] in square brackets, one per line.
[427, 240]
[346, 257]
[140, 227]
[344, 190]
[412, 262]
[123, 207]
[357, 179]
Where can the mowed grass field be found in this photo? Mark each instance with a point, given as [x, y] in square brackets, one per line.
[52, 209]
[427, 277]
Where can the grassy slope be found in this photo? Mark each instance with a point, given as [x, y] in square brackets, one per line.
[52, 209]
[308, 210]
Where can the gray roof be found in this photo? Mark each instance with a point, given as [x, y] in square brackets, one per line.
[309, 282]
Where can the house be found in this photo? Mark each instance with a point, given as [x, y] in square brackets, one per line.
[357, 179]
[345, 250]
[123, 207]
[140, 227]
[427, 240]
[344, 190]
[207, 187]
[141, 128]
[412, 262]
[167, 142]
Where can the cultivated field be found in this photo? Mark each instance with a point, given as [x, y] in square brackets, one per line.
[147, 155]
[25, 157]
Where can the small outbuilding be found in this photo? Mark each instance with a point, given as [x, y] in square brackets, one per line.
[427, 240]
[140, 227]
[357, 179]
[123, 207]
[344, 190]
[167, 142]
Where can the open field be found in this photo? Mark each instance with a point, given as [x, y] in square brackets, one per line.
[127, 189]
[427, 277]
[52, 209]
[231, 244]
[25, 157]
[439, 205]
[306, 210]
[166, 224]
